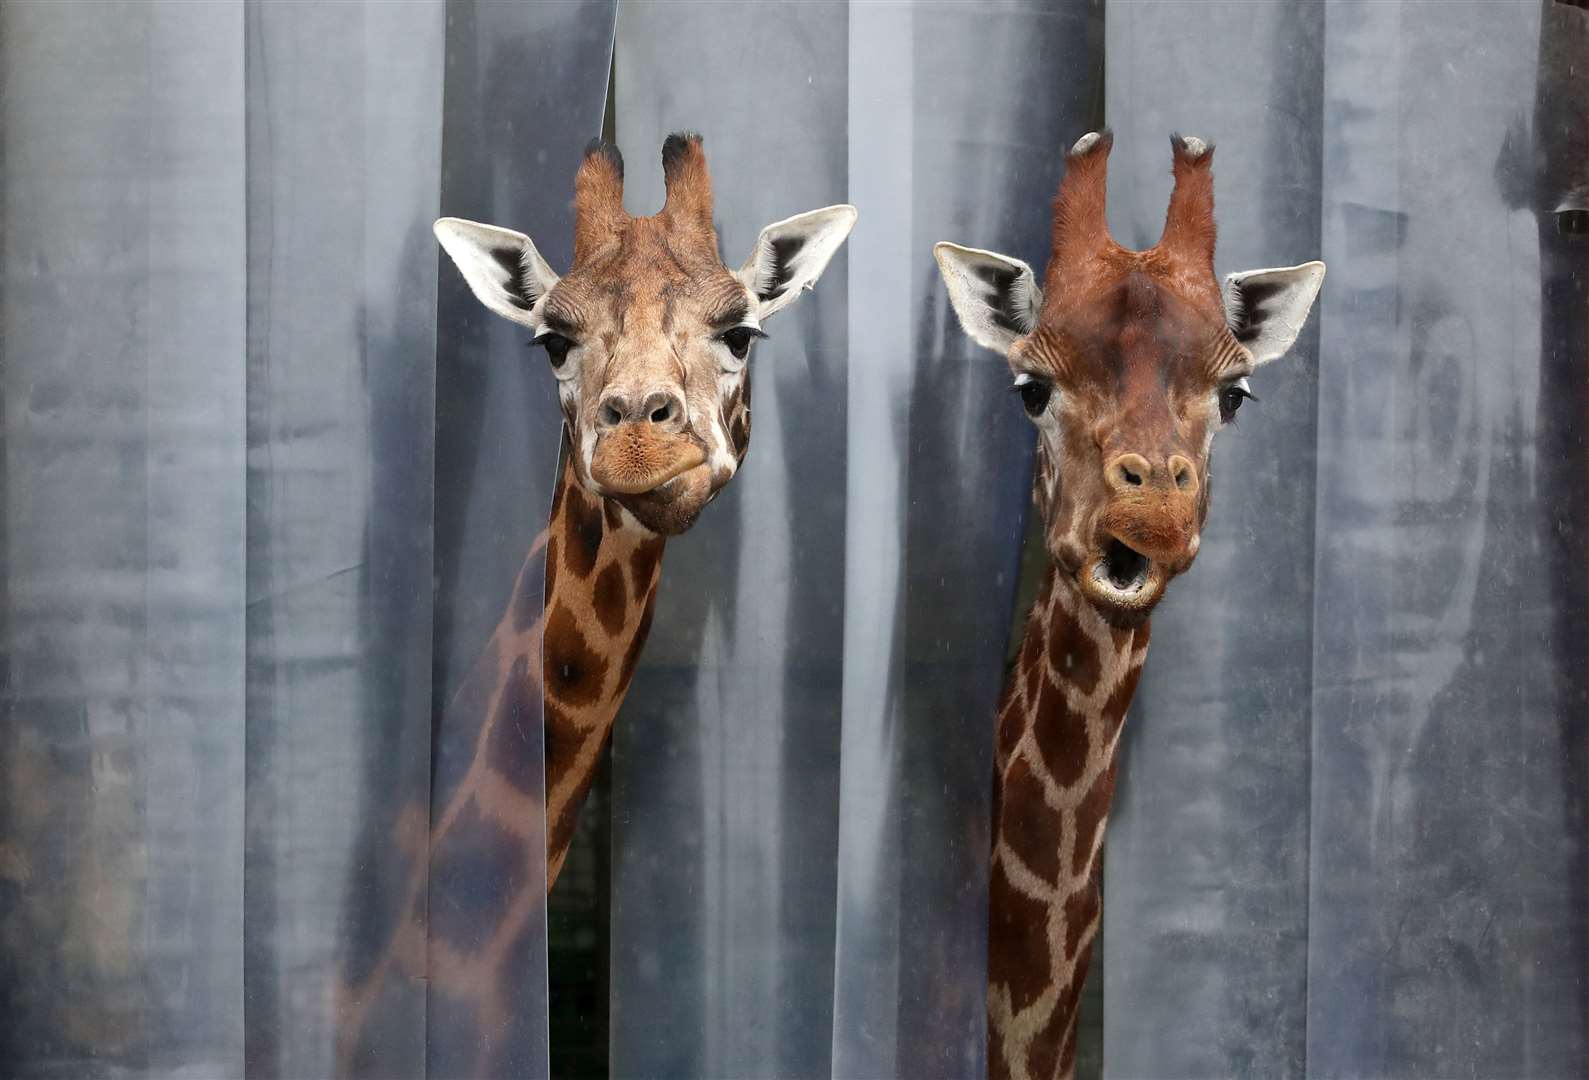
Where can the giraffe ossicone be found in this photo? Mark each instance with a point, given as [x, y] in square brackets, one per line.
[1128, 363]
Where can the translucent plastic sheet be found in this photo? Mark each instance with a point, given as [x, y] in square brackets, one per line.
[121, 804]
[341, 333]
[268, 481]
[221, 389]
[1204, 960]
[725, 768]
[1350, 834]
[1448, 907]
[525, 86]
[939, 482]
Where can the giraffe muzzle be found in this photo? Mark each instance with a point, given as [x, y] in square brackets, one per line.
[636, 458]
[1141, 545]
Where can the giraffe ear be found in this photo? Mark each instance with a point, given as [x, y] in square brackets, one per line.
[1266, 309]
[791, 254]
[996, 297]
[503, 268]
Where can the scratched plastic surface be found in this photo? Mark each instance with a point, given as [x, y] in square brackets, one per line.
[813, 715]
[1350, 838]
[222, 463]
[939, 489]
[725, 766]
[121, 887]
[525, 86]
[1351, 835]
[1206, 872]
[341, 329]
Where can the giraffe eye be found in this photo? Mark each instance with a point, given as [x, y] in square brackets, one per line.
[556, 346]
[1035, 393]
[1230, 399]
[738, 340]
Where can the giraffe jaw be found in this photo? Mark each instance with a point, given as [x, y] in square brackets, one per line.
[671, 507]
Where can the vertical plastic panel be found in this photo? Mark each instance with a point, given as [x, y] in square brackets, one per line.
[1554, 184]
[121, 886]
[1205, 898]
[341, 336]
[944, 145]
[1447, 830]
[725, 766]
[524, 90]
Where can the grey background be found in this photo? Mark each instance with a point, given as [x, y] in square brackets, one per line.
[268, 477]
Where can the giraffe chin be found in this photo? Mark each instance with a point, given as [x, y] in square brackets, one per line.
[672, 507]
[1122, 583]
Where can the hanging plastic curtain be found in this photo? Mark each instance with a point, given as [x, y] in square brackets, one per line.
[941, 148]
[1349, 839]
[1206, 870]
[838, 620]
[725, 765]
[225, 426]
[271, 485]
[1447, 881]
[121, 873]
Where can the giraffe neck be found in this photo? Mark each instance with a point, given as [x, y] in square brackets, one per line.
[602, 569]
[468, 908]
[1054, 775]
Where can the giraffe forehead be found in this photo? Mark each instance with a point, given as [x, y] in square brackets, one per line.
[1136, 331]
[645, 284]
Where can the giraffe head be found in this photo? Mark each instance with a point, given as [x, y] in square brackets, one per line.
[648, 333]
[1128, 362]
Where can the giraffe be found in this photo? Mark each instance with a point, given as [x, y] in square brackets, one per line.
[648, 339]
[1128, 363]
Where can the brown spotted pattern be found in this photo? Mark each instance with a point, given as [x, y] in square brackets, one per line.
[575, 661]
[1131, 350]
[1058, 731]
[647, 337]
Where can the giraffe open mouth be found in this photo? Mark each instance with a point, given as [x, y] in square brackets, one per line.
[1125, 568]
[1123, 579]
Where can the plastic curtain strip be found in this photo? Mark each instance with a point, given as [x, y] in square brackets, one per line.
[725, 755]
[525, 87]
[121, 898]
[939, 485]
[1206, 870]
[233, 411]
[1448, 915]
[340, 376]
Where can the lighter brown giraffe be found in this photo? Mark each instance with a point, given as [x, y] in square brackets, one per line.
[1128, 363]
[648, 338]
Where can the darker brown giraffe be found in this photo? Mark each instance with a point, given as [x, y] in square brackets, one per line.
[648, 337]
[1128, 363]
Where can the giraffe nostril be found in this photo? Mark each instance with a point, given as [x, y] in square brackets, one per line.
[663, 407]
[610, 415]
[1128, 472]
[1184, 475]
